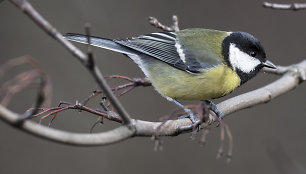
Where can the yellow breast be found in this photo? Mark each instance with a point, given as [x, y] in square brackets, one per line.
[177, 84]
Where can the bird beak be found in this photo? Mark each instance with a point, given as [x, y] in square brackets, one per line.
[269, 64]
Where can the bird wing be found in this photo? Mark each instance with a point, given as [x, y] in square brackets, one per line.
[166, 47]
[190, 50]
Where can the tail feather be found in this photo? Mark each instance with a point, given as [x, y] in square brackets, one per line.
[99, 42]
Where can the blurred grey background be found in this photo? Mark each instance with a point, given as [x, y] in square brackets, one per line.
[268, 138]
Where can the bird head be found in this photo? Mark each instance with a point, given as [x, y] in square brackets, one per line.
[244, 54]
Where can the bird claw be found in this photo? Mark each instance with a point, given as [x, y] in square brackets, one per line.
[203, 115]
[195, 126]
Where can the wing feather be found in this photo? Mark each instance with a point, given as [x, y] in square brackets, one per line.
[161, 46]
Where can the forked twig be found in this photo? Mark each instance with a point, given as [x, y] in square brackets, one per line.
[47, 112]
[153, 21]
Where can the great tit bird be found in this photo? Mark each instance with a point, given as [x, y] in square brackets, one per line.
[191, 64]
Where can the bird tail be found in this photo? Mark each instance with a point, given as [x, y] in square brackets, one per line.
[99, 42]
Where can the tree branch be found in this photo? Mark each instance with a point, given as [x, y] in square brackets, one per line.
[104, 138]
[293, 6]
[292, 77]
[287, 82]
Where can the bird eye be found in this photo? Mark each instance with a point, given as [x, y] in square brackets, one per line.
[253, 53]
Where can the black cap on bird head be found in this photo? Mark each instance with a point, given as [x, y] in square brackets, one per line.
[244, 54]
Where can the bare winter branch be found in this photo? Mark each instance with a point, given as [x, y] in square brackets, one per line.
[293, 6]
[287, 82]
[292, 77]
[113, 136]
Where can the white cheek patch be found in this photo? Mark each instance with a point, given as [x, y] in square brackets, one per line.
[241, 60]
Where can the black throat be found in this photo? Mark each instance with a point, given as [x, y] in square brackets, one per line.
[247, 76]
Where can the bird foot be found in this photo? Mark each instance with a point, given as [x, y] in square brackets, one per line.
[203, 111]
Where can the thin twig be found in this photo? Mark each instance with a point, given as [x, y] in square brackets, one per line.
[28, 9]
[153, 21]
[24, 80]
[46, 112]
[293, 6]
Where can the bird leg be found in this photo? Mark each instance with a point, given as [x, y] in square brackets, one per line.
[187, 110]
[203, 112]
[196, 122]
